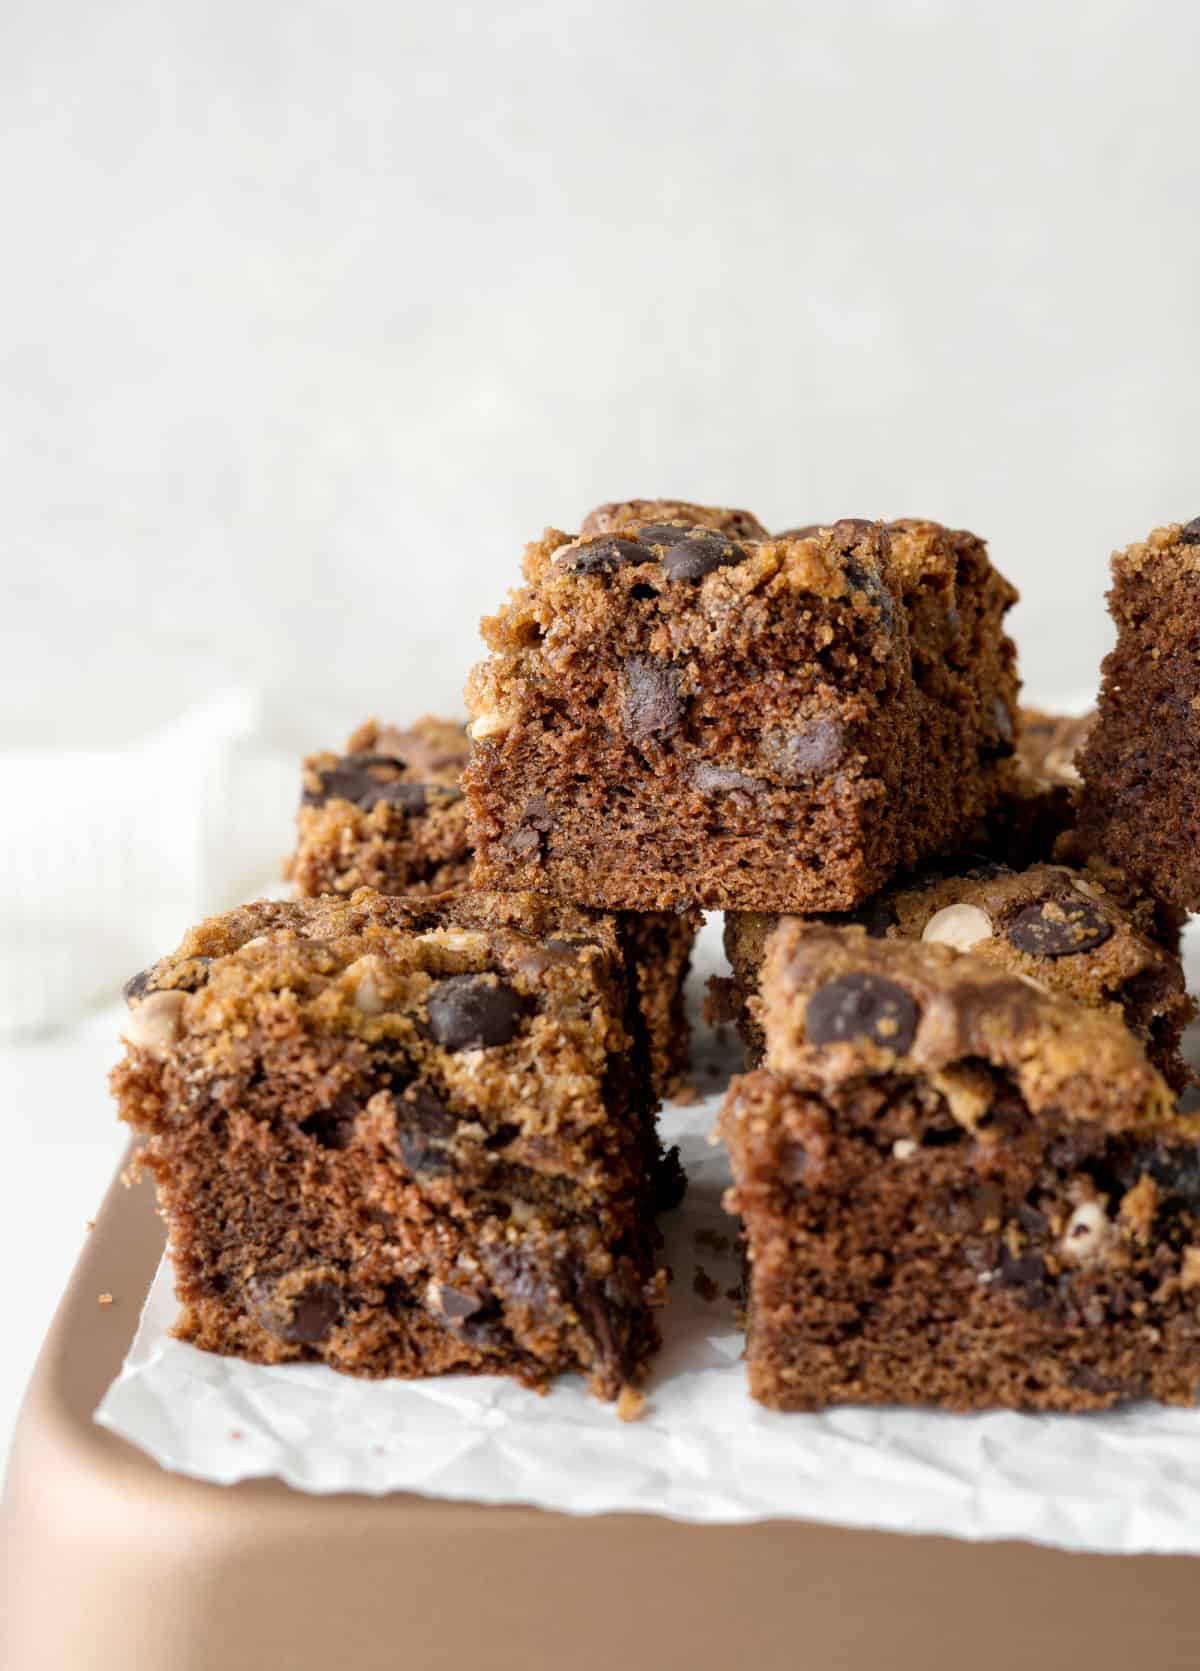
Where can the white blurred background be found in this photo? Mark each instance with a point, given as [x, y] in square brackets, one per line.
[310, 315]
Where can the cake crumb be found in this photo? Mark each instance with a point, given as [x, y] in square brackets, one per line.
[630, 1404]
[685, 1096]
[1189, 1276]
[235, 1432]
[704, 1285]
[713, 1239]
[106, 1299]
[91, 1224]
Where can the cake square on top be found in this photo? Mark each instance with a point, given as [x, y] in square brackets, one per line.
[671, 716]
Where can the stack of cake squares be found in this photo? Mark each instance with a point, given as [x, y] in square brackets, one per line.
[405, 1122]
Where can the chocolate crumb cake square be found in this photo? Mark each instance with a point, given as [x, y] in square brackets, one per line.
[404, 1138]
[386, 813]
[674, 716]
[957, 1190]
[1050, 924]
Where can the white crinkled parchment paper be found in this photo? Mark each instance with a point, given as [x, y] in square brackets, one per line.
[1122, 1481]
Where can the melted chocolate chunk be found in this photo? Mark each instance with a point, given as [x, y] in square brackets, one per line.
[303, 1318]
[700, 554]
[1191, 532]
[858, 1006]
[1059, 928]
[652, 705]
[664, 533]
[457, 1303]
[528, 840]
[813, 750]
[605, 556]
[473, 1012]
[353, 780]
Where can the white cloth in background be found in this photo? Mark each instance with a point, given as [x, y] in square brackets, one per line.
[112, 853]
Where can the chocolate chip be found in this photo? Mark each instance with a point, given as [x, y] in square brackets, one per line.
[188, 976]
[1059, 928]
[804, 533]
[528, 840]
[699, 554]
[858, 1006]
[812, 750]
[457, 1303]
[652, 705]
[477, 1318]
[664, 533]
[724, 779]
[425, 1127]
[1191, 532]
[473, 1012]
[301, 1318]
[605, 556]
[353, 779]
[333, 1127]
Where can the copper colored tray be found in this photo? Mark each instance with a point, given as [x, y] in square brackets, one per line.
[107, 1563]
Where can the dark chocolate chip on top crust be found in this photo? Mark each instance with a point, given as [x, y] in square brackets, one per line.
[1191, 532]
[862, 1006]
[701, 552]
[604, 556]
[1059, 927]
[473, 1012]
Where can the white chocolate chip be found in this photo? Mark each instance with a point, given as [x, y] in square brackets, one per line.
[1088, 1235]
[153, 1023]
[493, 722]
[364, 975]
[904, 1148]
[456, 939]
[960, 926]
[258, 940]
[560, 551]
[1036, 985]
